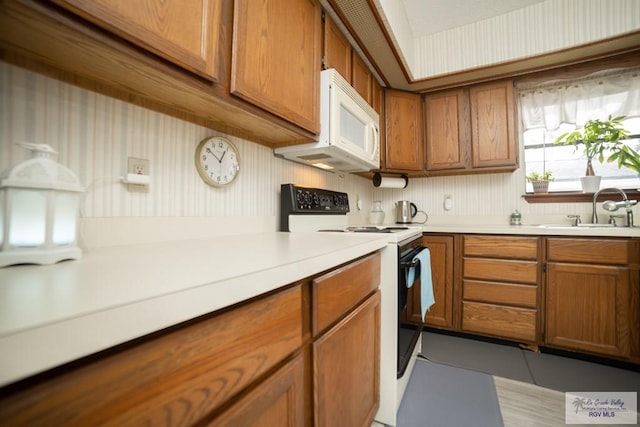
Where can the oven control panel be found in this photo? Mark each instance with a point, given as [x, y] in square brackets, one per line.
[301, 200]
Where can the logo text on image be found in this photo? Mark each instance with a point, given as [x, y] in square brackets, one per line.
[601, 407]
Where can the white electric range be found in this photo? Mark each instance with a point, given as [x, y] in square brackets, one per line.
[305, 209]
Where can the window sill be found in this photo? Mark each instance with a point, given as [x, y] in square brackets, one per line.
[575, 196]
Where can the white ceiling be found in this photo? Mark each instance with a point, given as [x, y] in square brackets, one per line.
[433, 16]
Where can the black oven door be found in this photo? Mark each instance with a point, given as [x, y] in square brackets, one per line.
[408, 333]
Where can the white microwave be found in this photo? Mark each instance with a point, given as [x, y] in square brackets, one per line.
[349, 138]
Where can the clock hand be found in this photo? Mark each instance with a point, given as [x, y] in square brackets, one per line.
[225, 152]
[212, 153]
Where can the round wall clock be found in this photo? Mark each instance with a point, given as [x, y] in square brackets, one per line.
[217, 161]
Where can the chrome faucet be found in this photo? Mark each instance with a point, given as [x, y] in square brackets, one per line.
[613, 206]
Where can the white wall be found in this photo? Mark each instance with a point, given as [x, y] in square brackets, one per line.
[95, 134]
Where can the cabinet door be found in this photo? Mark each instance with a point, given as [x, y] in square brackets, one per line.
[337, 50]
[275, 60]
[493, 133]
[183, 31]
[361, 78]
[176, 377]
[346, 365]
[588, 308]
[448, 140]
[403, 143]
[377, 98]
[278, 401]
[441, 313]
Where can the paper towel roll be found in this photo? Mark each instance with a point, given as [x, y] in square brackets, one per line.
[390, 182]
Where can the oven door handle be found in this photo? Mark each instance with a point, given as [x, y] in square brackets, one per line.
[408, 260]
[410, 264]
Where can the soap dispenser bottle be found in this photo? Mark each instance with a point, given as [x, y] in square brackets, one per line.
[516, 218]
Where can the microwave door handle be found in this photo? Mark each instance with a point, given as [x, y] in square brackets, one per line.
[373, 146]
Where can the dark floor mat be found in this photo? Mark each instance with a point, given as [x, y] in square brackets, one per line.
[567, 374]
[441, 395]
[501, 360]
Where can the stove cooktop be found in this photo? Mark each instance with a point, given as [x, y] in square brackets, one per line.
[304, 209]
[367, 229]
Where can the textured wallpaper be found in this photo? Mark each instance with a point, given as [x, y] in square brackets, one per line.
[544, 27]
[95, 135]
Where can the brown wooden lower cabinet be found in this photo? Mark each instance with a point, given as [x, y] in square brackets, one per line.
[257, 363]
[498, 320]
[441, 314]
[178, 378]
[592, 296]
[346, 394]
[277, 402]
[500, 286]
[579, 294]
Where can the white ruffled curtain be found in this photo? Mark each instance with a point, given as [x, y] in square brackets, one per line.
[575, 102]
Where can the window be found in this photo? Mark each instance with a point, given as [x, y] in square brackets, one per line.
[554, 108]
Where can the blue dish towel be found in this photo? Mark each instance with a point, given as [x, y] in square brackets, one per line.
[426, 282]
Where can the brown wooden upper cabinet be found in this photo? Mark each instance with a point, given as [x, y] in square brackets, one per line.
[184, 32]
[377, 100]
[493, 133]
[337, 50]
[339, 54]
[471, 130]
[275, 62]
[403, 146]
[448, 130]
[361, 78]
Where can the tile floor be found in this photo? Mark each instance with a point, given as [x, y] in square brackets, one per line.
[543, 369]
[530, 386]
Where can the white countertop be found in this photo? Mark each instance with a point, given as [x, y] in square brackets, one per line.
[50, 315]
[533, 229]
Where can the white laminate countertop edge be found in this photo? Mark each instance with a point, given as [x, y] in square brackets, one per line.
[533, 230]
[50, 315]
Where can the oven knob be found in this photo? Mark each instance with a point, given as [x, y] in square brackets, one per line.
[316, 200]
[307, 200]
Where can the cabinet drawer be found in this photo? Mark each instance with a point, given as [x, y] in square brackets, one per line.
[511, 247]
[506, 322]
[500, 293]
[335, 293]
[176, 378]
[502, 270]
[600, 251]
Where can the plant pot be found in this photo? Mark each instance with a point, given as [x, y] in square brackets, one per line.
[540, 186]
[590, 184]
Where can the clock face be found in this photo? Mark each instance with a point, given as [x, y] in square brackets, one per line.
[217, 161]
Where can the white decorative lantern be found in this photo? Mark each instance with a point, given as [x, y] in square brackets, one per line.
[39, 204]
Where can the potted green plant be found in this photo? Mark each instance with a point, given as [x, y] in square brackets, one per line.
[597, 136]
[540, 181]
[625, 156]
